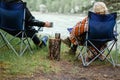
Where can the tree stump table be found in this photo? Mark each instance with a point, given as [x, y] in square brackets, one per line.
[54, 47]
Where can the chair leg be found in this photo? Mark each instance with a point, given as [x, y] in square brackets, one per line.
[5, 44]
[10, 45]
[28, 46]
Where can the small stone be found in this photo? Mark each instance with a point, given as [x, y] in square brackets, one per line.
[105, 75]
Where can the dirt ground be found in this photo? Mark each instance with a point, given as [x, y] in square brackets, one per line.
[73, 71]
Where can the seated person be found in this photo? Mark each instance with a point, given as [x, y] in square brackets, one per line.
[30, 21]
[79, 31]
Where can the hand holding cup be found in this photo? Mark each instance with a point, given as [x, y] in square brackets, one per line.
[49, 24]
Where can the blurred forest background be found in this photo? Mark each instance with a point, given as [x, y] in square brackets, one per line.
[69, 6]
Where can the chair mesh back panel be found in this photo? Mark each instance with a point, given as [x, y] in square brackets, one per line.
[101, 26]
[11, 16]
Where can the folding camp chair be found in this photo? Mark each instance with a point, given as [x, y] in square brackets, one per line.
[102, 31]
[117, 47]
[12, 19]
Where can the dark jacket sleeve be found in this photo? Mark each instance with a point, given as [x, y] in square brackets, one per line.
[37, 23]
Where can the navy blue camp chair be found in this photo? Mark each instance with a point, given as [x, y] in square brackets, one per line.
[12, 19]
[102, 31]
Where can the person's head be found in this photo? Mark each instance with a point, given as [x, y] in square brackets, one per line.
[100, 8]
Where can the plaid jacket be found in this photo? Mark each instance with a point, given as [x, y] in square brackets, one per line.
[78, 31]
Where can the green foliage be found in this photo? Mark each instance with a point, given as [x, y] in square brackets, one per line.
[62, 6]
[66, 6]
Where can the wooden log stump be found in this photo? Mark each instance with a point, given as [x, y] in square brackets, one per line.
[54, 48]
[57, 35]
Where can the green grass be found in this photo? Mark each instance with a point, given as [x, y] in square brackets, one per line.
[28, 63]
[38, 61]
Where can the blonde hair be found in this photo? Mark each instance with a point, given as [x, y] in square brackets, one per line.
[100, 7]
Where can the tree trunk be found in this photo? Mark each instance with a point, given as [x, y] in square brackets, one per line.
[54, 47]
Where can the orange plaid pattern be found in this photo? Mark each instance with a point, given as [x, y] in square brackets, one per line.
[78, 30]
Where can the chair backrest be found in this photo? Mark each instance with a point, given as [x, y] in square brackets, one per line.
[101, 27]
[12, 16]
